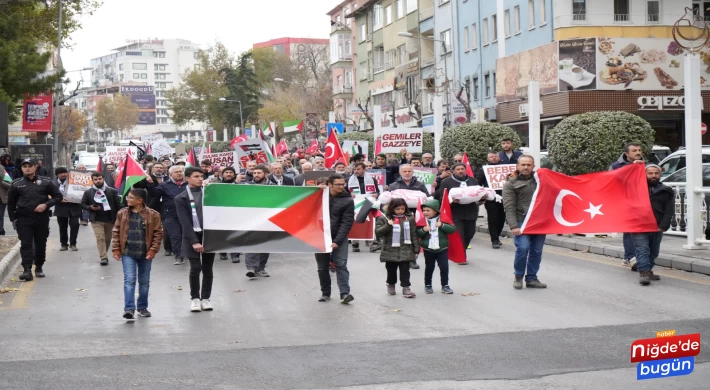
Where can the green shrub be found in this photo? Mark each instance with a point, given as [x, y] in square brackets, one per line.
[476, 139]
[427, 146]
[590, 142]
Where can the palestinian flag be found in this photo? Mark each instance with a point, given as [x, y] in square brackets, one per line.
[129, 174]
[266, 219]
[7, 177]
[191, 159]
[266, 148]
[267, 129]
[364, 230]
[291, 126]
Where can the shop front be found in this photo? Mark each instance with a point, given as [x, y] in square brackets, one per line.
[663, 110]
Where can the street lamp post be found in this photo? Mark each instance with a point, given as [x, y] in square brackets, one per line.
[446, 70]
[241, 117]
[55, 132]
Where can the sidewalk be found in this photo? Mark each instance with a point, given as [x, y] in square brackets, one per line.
[672, 253]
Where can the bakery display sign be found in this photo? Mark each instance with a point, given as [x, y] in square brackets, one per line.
[639, 64]
[578, 64]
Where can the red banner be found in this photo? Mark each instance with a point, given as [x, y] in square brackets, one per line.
[37, 113]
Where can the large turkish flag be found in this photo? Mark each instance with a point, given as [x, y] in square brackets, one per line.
[333, 152]
[604, 202]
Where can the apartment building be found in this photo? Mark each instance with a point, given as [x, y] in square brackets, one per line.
[342, 60]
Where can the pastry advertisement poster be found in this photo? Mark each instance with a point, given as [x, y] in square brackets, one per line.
[640, 64]
[514, 73]
[578, 64]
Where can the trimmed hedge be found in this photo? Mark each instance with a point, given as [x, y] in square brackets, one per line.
[476, 139]
[590, 142]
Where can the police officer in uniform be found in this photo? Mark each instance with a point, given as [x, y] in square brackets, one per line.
[28, 204]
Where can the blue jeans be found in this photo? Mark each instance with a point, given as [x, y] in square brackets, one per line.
[129, 282]
[647, 246]
[528, 254]
[629, 249]
[339, 256]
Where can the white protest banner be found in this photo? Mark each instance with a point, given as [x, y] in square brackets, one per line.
[378, 175]
[77, 183]
[355, 147]
[394, 139]
[426, 176]
[250, 150]
[160, 149]
[223, 159]
[114, 154]
[498, 174]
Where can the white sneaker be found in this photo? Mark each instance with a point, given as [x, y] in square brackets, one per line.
[206, 305]
[626, 263]
[195, 306]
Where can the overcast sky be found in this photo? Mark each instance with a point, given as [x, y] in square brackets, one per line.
[236, 23]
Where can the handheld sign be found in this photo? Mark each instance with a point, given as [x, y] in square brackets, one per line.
[497, 175]
[395, 139]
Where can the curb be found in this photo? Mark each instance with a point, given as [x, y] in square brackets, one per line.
[684, 263]
[10, 261]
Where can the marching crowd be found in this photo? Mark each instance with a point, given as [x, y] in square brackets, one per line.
[165, 210]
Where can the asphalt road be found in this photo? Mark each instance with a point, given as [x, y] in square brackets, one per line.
[273, 334]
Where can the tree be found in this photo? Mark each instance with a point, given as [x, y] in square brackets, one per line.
[242, 85]
[464, 97]
[270, 64]
[476, 139]
[197, 97]
[117, 115]
[71, 124]
[590, 142]
[28, 31]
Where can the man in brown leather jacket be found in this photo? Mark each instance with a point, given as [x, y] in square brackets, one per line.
[137, 235]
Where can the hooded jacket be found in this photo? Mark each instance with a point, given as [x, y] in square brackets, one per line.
[444, 230]
[663, 205]
[405, 252]
[342, 217]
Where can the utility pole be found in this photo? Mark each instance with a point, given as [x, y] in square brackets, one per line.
[55, 126]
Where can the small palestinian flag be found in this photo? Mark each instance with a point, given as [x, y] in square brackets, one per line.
[292, 126]
[266, 219]
[130, 173]
[191, 159]
[7, 177]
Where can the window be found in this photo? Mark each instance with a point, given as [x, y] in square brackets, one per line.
[399, 6]
[476, 87]
[138, 66]
[159, 54]
[363, 70]
[494, 20]
[531, 14]
[363, 32]
[377, 17]
[120, 66]
[653, 9]
[379, 59]
[465, 39]
[516, 19]
[388, 15]
[121, 77]
[487, 85]
[621, 10]
[446, 38]
[543, 17]
[196, 55]
[136, 75]
[485, 31]
[144, 76]
[474, 36]
[346, 11]
[411, 6]
[400, 98]
[506, 23]
[494, 84]
[579, 10]
[402, 55]
[390, 58]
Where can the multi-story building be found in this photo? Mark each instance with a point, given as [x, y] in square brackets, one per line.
[157, 63]
[303, 52]
[342, 60]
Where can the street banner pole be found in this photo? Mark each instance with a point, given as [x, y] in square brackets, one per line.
[534, 120]
[438, 126]
[693, 153]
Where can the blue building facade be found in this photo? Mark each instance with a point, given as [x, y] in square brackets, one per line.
[526, 24]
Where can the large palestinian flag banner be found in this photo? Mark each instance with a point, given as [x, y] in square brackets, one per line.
[266, 219]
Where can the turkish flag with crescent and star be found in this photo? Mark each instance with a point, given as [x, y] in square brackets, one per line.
[603, 202]
[333, 151]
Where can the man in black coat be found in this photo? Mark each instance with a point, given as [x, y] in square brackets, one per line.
[342, 217]
[494, 210]
[464, 215]
[192, 229]
[277, 176]
[648, 245]
[67, 214]
[102, 202]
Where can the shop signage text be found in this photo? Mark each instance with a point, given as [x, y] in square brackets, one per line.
[661, 102]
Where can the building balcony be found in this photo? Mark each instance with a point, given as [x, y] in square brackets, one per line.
[342, 91]
[341, 60]
[426, 14]
[428, 62]
[338, 27]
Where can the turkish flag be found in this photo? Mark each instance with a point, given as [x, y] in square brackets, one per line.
[469, 171]
[236, 140]
[313, 148]
[457, 253]
[333, 151]
[419, 217]
[603, 202]
[281, 148]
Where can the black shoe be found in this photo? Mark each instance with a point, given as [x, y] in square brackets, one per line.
[496, 244]
[104, 261]
[653, 276]
[251, 273]
[73, 248]
[413, 265]
[375, 247]
[27, 276]
[347, 298]
[644, 278]
[168, 253]
[223, 256]
[144, 313]
[39, 273]
[324, 298]
[128, 315]
[64, 248]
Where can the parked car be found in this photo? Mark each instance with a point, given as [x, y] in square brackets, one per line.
[677, 181]
[676, 161]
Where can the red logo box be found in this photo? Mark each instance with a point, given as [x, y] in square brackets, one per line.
[665, 348]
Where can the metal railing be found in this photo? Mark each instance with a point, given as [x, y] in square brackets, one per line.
[428, 62]
[579, 17]
[342, 89]
[379, 68]
[680, 217]
[343, 57]
[621, 18]
[389, 65]
[653, 18]
[426, 14]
